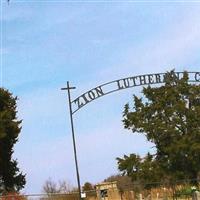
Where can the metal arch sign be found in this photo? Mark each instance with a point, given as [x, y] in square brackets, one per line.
[114, 86]
[124, 83]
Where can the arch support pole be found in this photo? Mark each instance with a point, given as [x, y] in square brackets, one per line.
[68, 88]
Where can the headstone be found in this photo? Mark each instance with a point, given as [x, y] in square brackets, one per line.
[83, 195]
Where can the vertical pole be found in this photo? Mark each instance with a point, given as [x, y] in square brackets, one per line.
[73, 137]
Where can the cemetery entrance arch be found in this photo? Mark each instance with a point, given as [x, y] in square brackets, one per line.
[114, 86]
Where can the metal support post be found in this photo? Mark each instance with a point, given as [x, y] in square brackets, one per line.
[68, 88]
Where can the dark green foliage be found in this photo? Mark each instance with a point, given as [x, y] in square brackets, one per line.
[169, 116]
[144, 172]
[11, 179]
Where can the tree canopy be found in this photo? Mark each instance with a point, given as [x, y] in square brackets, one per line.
[11, 179]
[169, 116]
[88, 187]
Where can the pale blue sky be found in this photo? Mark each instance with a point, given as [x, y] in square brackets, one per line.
[46, 43]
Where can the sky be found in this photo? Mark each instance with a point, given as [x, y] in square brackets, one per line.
[45, 43]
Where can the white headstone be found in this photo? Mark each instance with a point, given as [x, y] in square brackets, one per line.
[83, 195]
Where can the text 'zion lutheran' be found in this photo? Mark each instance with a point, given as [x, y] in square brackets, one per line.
[129, 82]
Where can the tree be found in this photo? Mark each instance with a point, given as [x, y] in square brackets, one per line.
[88, 187]
[144, 172]
[169, 116]
[11, 179]
[51, 187]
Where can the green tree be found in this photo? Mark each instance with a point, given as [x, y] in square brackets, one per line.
[11, 179]
[144, 172]
[169, 116]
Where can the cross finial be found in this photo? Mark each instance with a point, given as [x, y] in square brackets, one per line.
[68, 87]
